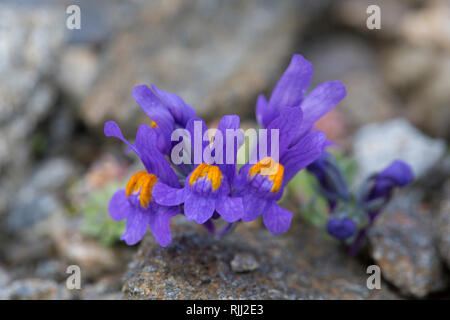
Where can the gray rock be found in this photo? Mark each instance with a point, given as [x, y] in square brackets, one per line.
[31, 211]
[78, 70]
[301, 264]
[33, 289]
[51, 269]
[428, 26]
[36, 212]
[72, 247]
[105, 288]
[244, 263]
[28, 227]
[376, 145]
[4, 277]
[52, 174]
[28, 55]
[397, 62]
[352, 61]
[35, 202]
[402, 245]
[442, 226]
[428, 107]
[218, 69]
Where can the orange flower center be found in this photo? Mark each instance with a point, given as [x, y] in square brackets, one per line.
[212, 173]
[271, 169]
[143, 182]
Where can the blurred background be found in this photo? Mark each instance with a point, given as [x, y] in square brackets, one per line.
[59, 86]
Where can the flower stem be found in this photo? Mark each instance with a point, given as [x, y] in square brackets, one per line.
[226, 230]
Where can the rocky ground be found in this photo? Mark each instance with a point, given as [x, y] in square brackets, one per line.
[57, 88]
[248, 264]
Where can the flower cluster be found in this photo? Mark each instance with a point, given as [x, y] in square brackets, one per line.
[204, 188]
[351, 215]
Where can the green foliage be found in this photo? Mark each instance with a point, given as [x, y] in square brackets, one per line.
[304, 186]
[38, 144]
[347, 164]
[97, 222]
[314, 208]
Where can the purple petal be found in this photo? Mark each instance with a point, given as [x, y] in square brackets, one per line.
[277, 219]
[397, 174]
[180, 110]
[119, 207]
[159, 223]
[154, 161]
[261, 109]
[230, 209]
[288, 124]
[253, 206]
[112, 129]
[151, 104]
[197, 141]
[341, 229]
[240, 180]
[302, 154]
[291, 87]
[168, 196]
[230, 123]
[320, 101]
[198, 208]
[136, 227]
[156, 110]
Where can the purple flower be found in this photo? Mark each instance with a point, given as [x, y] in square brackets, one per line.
[290, 92]
[261, 185]
[166, 110]
[397, 174]
[208, 187]
[341, 228]
[135, 203]
[374, 198]
[292, 113]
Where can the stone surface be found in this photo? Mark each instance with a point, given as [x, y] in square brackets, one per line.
[105, 288]
[33, 289]
[442, 226]
[244, 263]
[428, 26]
[368, 98]
[402, 245]
[301, 264]
[28, 55]
[217, 69]
[4, 277]
[72, 247]
[35, 201]
[396, 62]
[78, 70]
[376, 145]
[428, 107]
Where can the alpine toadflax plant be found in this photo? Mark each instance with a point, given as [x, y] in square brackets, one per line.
[352, 214]
[203, 187]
